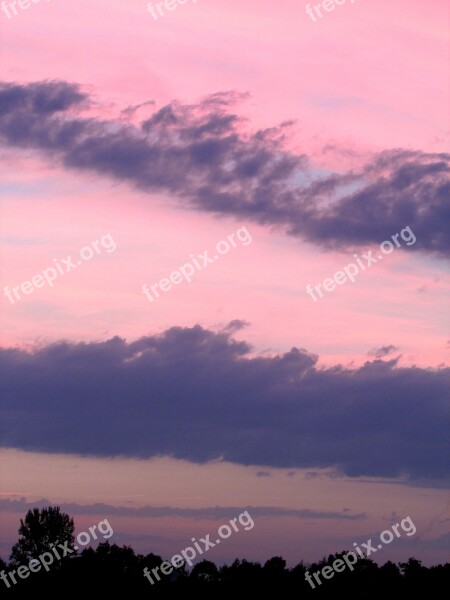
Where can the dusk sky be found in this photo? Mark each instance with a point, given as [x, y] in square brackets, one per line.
[256, 202]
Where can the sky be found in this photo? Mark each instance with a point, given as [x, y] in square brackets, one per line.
[256, 202]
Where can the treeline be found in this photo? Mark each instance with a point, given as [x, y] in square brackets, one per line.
[118, 570]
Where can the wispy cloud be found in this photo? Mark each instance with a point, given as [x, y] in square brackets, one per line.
[202, 155]
[153, 512]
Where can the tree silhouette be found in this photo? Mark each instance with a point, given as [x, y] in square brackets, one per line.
[110, 569]
[275, 566]
[412, 568]
[39, 530]
[205, 570]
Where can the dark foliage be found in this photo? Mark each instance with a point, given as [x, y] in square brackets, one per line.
[113, 569]
[110, 568]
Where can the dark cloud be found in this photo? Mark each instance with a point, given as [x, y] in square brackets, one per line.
[40, 98]
[322, 475]
[201, 155]
[263, 474]
[215, 512]
[383, 351]
[198, 395]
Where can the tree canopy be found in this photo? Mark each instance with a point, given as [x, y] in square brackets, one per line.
[39, 530]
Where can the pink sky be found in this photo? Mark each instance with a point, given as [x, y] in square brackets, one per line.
[367, 77]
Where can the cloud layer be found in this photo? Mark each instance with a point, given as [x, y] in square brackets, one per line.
[202, 155]
[152, 512]
[200, 395]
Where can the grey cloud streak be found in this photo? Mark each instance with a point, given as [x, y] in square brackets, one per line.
[153, 512]
[200, 395]
[200, 155]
